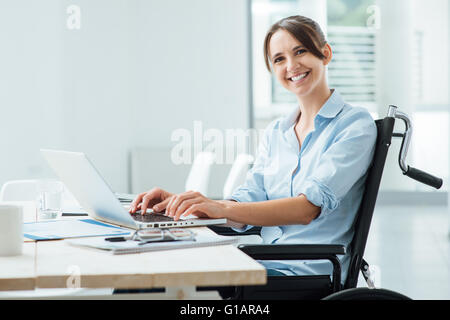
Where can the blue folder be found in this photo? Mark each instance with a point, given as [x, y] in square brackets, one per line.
[70, 228]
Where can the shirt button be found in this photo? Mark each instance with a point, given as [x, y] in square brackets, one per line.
[277, 233]
[271, 234]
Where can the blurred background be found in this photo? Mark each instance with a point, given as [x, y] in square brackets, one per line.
[115, 79]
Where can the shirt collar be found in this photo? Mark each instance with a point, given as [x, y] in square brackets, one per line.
[330, 109]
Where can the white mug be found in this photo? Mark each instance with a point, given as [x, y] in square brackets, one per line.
[11, 226]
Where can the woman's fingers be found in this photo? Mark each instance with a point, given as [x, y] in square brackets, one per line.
[134, 204]
[207, 208]
[184, 206]
[197, 209]
[177, 200]
[144, 204]
[169, 205]
[149, 199]
[162, 205]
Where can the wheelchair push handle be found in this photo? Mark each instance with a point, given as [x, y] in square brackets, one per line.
[423, 177]
[407, 170]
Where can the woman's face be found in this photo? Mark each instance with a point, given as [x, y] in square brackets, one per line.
[298, 70]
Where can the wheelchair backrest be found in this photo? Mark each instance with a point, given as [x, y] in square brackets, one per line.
[363, 219]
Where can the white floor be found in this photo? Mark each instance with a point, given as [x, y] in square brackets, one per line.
[411, 248]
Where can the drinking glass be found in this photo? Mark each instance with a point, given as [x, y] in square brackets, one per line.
[49, 195]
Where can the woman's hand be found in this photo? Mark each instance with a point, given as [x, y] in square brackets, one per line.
[149, 199]
[195, 203]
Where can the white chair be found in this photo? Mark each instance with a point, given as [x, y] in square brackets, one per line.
[198, 178]
[19, 190]
[236, 177]
[237, 174]
[26, 190]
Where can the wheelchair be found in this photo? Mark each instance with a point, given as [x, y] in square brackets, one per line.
[329, 287]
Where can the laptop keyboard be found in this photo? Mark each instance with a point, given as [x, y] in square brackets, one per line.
[152, 217]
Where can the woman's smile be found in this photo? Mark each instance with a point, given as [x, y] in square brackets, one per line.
[299, 78]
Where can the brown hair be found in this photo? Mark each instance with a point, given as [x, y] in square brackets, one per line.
[304, 29]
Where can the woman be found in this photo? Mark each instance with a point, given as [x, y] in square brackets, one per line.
[307, 182]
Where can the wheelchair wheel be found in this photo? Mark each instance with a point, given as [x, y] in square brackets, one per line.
[366, 294]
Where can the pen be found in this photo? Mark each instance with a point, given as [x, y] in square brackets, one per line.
[116, 239]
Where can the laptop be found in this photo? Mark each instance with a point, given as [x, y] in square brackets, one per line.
[80, 176]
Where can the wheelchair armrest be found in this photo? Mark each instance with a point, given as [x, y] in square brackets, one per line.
[299, 252]
[227, 231]
[291, 251]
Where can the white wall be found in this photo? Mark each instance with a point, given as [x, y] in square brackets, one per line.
[30, 82]
[396, 70]
[133, 73]
[393, 58]
[431, 19]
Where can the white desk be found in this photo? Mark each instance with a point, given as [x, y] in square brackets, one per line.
[56, 264]
[18, 273]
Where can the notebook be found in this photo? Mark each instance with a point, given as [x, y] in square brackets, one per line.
[131, 246]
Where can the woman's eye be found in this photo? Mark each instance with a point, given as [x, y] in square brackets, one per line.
[300, 51]
[277, 59]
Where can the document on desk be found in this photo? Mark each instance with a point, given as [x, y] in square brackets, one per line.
[73, 228]
[131, 246]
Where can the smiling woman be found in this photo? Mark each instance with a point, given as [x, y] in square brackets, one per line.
[308, 178]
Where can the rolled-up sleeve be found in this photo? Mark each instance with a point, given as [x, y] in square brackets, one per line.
[342, 164]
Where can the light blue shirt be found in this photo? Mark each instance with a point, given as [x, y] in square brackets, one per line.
[330, 170]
